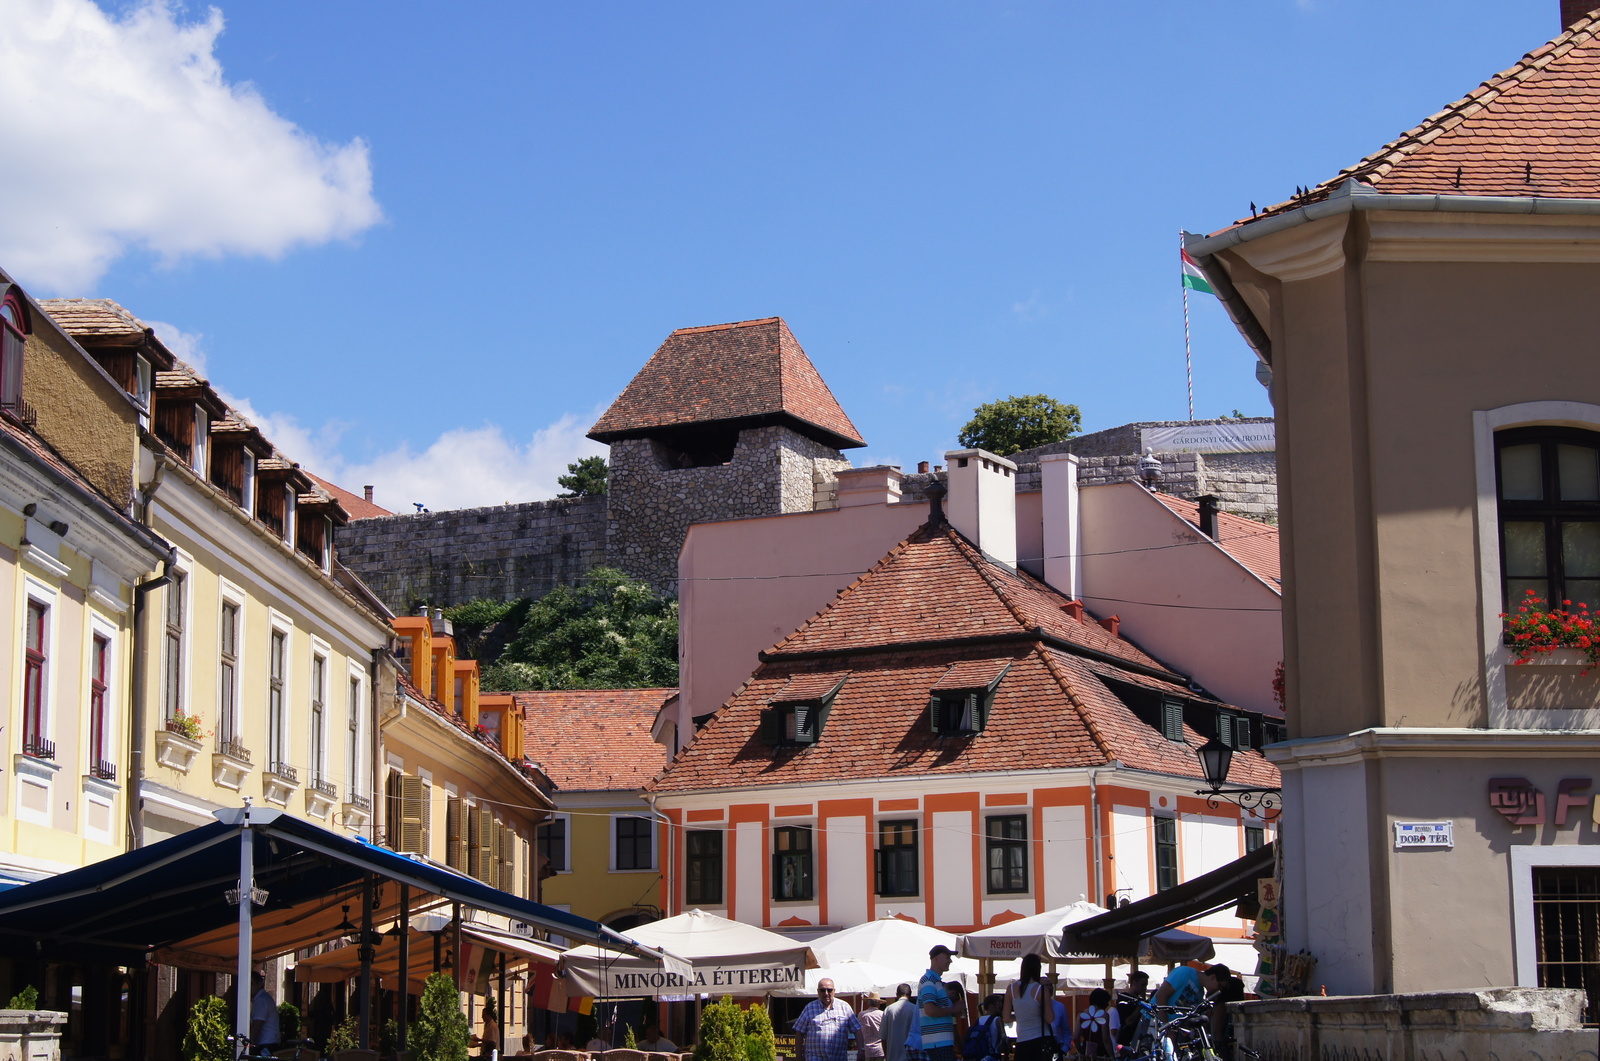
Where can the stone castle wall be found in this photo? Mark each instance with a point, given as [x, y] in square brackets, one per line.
[504, 552]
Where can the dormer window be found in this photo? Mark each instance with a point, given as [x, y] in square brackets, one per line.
[960, 700]
[1233, 730]
[1172, 718]
[13, 331]
[797, 715]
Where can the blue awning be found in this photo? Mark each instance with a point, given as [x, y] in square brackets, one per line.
[168, 902]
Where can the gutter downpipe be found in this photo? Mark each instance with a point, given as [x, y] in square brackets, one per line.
[137, 708]
[1351, 195]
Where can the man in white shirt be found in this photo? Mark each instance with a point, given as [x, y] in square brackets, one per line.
[655, 1042]
[263, 1015]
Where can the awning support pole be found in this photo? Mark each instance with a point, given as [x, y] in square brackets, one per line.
[365, 981]
[985, 977]
[241, 984]
[455, 931]
[405, 960]
[503, 1006]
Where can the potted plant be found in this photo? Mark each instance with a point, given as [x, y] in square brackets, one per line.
[206, 1038]
[440, 1033]
[178, 741]
[1535, 629]
[28, 1031]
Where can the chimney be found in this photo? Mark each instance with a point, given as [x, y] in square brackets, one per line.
[1063, 553]
[936, 492]
[1208, 515]
[366, 492]
[442, 627]
[922, 467]
[1113, 625]
[983, 502]
[1074, 610]
[869, 486]
[1573, 10]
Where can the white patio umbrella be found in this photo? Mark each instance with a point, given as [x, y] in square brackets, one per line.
[896, 945]
[850, 978]
[722, 956]
[1039, 934]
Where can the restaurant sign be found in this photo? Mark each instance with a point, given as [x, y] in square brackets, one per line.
[1409, 835]
[1522, 803]
[631, 978]
[1210, 438]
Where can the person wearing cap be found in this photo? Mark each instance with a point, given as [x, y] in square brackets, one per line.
[938, 1012]
[871, 1018]
[826, 1025]
[1221, 988]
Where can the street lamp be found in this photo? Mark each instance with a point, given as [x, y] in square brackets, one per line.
[1150, 469]
[1215, 760]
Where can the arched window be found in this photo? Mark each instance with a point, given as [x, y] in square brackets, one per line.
[1548, 481]
[13, 327]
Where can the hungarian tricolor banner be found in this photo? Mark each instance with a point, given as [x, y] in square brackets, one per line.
[1193, 278]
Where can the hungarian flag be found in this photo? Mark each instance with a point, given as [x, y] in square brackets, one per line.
[1193, 278]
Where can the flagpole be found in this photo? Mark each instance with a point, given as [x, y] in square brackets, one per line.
[1188, 351]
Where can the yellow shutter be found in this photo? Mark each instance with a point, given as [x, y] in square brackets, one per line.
[413, 815]
[504, 879]
[391, 810]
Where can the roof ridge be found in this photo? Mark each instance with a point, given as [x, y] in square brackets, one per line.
[1377, 164]
[723, 327]
[1100, 740]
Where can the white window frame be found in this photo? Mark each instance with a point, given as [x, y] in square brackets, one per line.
[1524, 859]
[1496, 656]
[183, 567]
[49, 596]
[355, 676]
[280, 624]
[228, 593]
[320, 649]
[611, 853]
[200, 452]
[99, 626]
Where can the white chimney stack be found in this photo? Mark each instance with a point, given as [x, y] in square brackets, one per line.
[1063, 551]
[982, 503]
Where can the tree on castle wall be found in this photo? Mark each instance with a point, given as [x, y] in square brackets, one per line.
[1012, 424]
[584, 478]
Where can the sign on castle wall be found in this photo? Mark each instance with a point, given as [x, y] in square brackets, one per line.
[1209, 438]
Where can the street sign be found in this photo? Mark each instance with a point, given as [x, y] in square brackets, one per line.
[1424, 834]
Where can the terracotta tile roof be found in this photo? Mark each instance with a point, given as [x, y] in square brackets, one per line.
[590, 740]
[750, 371]
[356, 506]
[935, 613]
[1251, 542]
[809, 686]
[1531, 130]
[935, 586]
[93, 318]
[972, 674]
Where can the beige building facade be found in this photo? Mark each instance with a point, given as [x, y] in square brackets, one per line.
[1426, 320]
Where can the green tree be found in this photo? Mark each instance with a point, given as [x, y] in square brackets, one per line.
[630, 1041]
[611, 632]
[346, 1034]
[27, 998]
[288, 1021]
[440, 1032]
[206, 1038]
[586, 478]
[721, 1032]
[1013, 424]
[760, 1041]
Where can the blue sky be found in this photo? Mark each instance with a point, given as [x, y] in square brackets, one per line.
[948, 202]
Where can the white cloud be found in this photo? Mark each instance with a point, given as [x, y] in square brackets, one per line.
[122, 132]
[186, 346]
[463, 468]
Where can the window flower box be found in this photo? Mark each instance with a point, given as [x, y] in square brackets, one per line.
[1566, 635]
[175, 750]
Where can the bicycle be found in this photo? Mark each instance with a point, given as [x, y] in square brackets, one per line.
[1172, 1033]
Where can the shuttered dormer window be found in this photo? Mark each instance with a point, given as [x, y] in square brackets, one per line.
[798, 713]
[960, 700]
[1172, 718]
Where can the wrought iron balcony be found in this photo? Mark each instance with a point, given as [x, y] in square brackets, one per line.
[39, 748]
[233, 749]
[324, 786]
[285, 771]
[21, 410]
[355, 799]
[103, 770]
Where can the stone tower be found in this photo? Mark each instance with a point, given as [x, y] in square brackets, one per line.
[724, 422]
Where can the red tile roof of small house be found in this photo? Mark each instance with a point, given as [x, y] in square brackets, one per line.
[590, 740]
[1530, 130]
[1251, 542]
[356, 506]
[933, 611]
[94, 318]
[746, 373]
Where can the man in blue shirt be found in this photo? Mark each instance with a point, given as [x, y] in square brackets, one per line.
[938, 1012]
[825, 1025]
[1180, 988]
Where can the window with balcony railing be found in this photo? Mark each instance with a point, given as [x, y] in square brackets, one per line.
[35, 675]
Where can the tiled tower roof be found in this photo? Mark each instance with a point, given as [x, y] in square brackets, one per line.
[747, 373]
